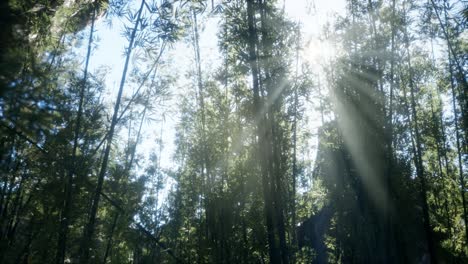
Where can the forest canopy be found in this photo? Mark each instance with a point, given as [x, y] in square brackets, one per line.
[233, 131]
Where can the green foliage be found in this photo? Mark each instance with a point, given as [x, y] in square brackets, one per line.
[387, 182]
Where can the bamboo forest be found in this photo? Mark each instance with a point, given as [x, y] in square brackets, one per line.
[233, 131]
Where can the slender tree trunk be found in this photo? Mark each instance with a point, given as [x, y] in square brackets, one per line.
[273, 138]
[452, 56]
[294, 158]
[12, 221]
[459, 151]
[252, 46]
[109, 239]
[207, 182]
[65, 218]
[460, 74]
[389, 229]
[443, 25]
[128, 167]
[90, 227]
[437, 137]
[418, 160]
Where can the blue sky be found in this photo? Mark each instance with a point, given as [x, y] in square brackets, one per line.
[108, 53]
[110, 45]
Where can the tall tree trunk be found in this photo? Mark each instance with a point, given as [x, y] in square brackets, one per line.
[418, 160]
[450, 45]
[90, 227]
[207, 182]
[109, 239]
[294, 158]
[273, 137]
[128, 167]
[452, 56]
[459, 151]
[260, 120]
[65, 217]
[389, 228]
[460, 73]
[439, 149]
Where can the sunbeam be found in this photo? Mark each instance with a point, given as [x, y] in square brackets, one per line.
[233, 131]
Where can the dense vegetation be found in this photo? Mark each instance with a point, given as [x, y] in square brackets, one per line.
[386, 182]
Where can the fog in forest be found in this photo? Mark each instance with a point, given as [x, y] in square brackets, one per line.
[233, 131]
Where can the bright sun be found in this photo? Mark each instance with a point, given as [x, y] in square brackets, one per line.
[318, 51]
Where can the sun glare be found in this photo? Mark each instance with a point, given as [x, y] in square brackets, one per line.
[317, 52]
[247, 131]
